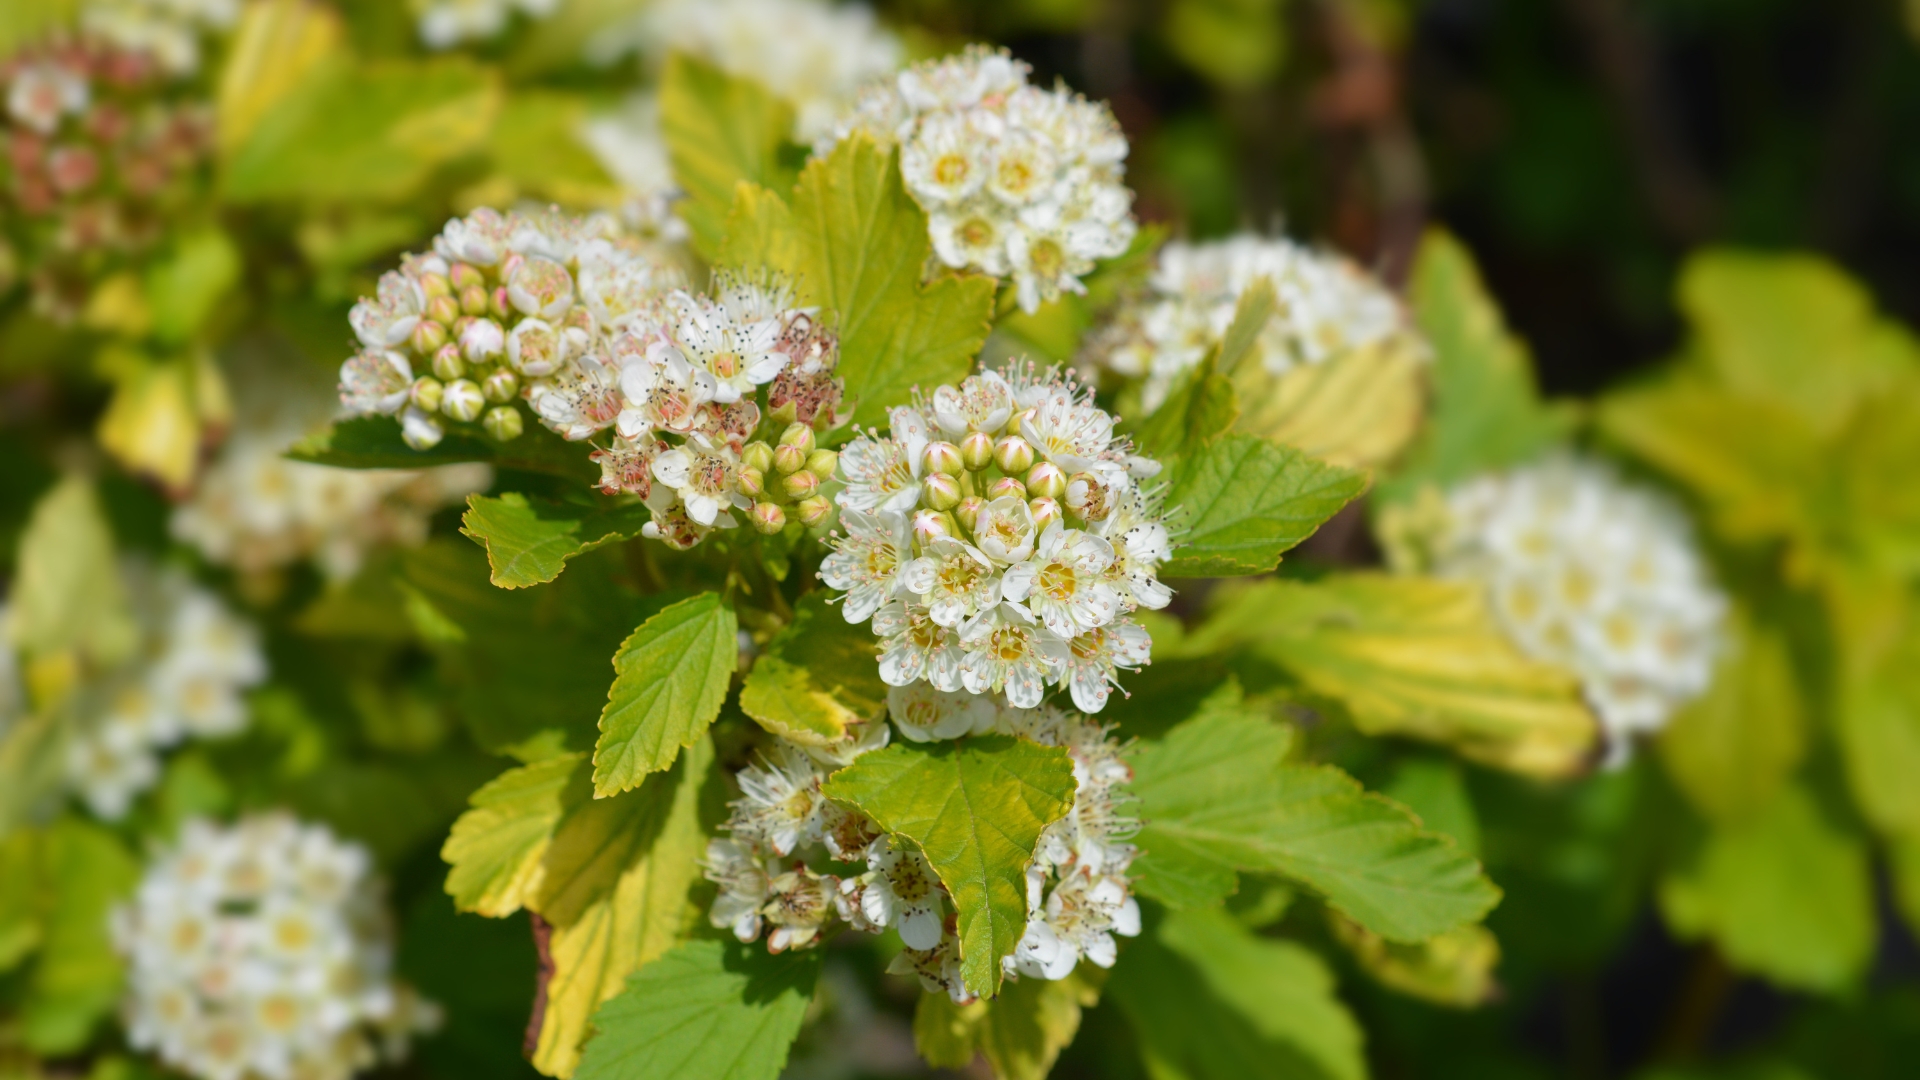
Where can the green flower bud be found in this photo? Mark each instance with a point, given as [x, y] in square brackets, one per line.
[813, 511]
[498, 305]
[503, 423]
[968, 510]
[462, 400]
[1046, 480]
[501, 386]
[821, 463]
[753, 482]
[940, 491]
[1013, 455]
[798, 435]
[757, 455]
[1046, 511]
[942, 458]
[768, 518]
[428, 337]
[443, 310]
[466, 276]
[800, 485]
[1007, 485]
[976, 450]
[425, 394]
[447, 364]
[473, 300]
[789, 459]
[435, 286]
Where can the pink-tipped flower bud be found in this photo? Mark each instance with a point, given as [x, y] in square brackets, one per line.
[757, 455]
[789, 459]
[940, 491]
[800, 485]
[976, 450]
[466, 276]
[435, 286]
[427, 337]
[482, 341]
[425, 394]
[420, 430]
[1046, 480]
[1046, 511]
[800, 436]
[821, 463]
[462, 400]
[753, 482]
[968, 510]
[498, 305]
[473, 300]
[1017, 422]
[1014, 455]
[443, 310]
[942, 458]
[447, 364]
[930, 525]
[1007, 485]
[501, 387]
[813, 511]
[503, 423]
[767, 518]
[1087, 497]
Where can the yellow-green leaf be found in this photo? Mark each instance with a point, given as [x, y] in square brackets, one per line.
[1732, 749]
[1021, 1032]
[670, 677]
[818, 675]
[1243, 501]
[1454, 969]
[67, 594]
[719, 131]
[497, 850]
[529, 541]
[1358, 409]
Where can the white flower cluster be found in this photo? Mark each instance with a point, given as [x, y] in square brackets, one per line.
[814, 54]
[263, 950]
[1078, 894]
[168, 30]
[628, 145]
[1328, 307]
[1016, 180]
[1000, 547]
[446, 23]
[186, 679]
[1597, 576]
[578, 319]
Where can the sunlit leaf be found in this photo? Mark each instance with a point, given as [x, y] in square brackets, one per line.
[1245, 501]
[819, 674]
[496, 852]
[670, 676]
[1021, 1032]
[720, 131]
[1732, 749]
[530, 541]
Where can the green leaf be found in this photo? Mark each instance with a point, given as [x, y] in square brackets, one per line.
[817, 675]
[717, 1010]
[719, 131]
[1486, 411]
[1359, 409]
[373, 442]
[66, 589]
[358, 131]
[862, 251]
[1246, 501]
[184, 289]
[75, 979]
[536, 145]
[497, 850]
[1202, 408]
[1732, 749]
[1217, 796]
[1021, 1032]
[1784, 895]
[1876, 704]
[530, 541]
[670, 677]
[1251, 314]
[1207, 1000]
[760, 231]
[1411, 656]
[1454, 969]
[617, 887]
[976, 808]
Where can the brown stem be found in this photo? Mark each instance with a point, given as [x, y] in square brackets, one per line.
[543, 945]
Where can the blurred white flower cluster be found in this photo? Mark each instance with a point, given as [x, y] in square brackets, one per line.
[256, 511]
[1595, 575]
[1017, 181]
[815, 55]
[444, 24]
[586, 324]
[628, 145]
[1078, 895]
[999, 539]
[168, 30]
[191, 665]
[1327, 307]
[263, 950]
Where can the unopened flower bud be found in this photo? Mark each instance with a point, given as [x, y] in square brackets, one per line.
[498, 305]
[1007, 485]
[1014, 455]
[482, 340]
[798, 435]
[420, 430]
[786, 412]
[768, 518]
[1087, 497]
[757, 455]
[503, 423]
[940, 491]
[473, 300]
[427, 337]
[1046, 511]
[968, 510]
[813, 511]
[1016, 422]
[976, 450]
[930, 525]
[753, 482]
[1046, 480]
[435, 286]
[942, 458]
[800, 485]
[464, 276]
[443, 310]
[821, 463]
[463, 400]
[425, 394]
[501, 387]
[447, 364]
[789, 459]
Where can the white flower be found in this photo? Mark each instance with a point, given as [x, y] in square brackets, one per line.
[1006, 653]
[1080, 917]
[581, 399]
[706, 477]
[780, 805]
[1072, 433]
[867, 563]
[1093, 656]
[1005, 531]
[446, 23]
[946, 162]
[982, 402]
[167, 30]
[954, 580]
[375, 382]
[913, 646]
[1597, 576]
[938, 969]
[385, 320]
[924, 714]
[799, 904]
[738, 350]
[41, 93]
[742, 876]
[884, 474]
[1062, 583]
[663, 391]
[262, 950]
[479, 238]
[899, 890]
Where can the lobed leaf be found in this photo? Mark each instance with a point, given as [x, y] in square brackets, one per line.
[719, 131]
[1201, 408]
[670, 677]
[818, 675]
[529, 541]
[1247, 500]
[1021, 1032]
[1359, 409]
[497, 850]
[1734, 747]
[975, 808]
